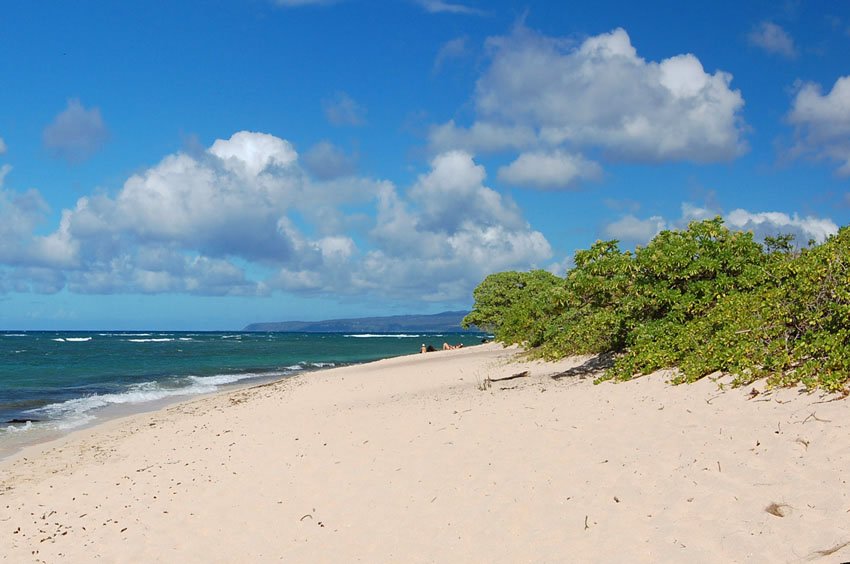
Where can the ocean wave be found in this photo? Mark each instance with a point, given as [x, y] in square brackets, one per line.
[14, 335]
[78, 411]
[18, 428]
[231, 336]
[382, 335]
[125, 334]
[320, 364]
[155, 340]
[212, 382]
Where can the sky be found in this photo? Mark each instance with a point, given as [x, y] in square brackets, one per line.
[204, 165]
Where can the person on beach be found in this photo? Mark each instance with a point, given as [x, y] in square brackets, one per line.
[448, 347]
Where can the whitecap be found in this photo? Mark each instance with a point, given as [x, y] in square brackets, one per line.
[18, 428]
[77, 339]
[382, 335]
[75, 412]
[163, 340]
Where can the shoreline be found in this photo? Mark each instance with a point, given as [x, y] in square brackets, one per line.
[450, 456]
[112, 412]
[116, 412]
[99, 389]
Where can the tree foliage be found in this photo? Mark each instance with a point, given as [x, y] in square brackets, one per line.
[699, 300]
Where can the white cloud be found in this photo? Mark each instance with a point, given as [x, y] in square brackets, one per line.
[454, 193]
[600, 94]
[451, 233]
[20, 214]
[76, 133]
[252, 153]
[342, 110]
[773, 39]
[632, 229]
[326, 161]
[480, 137]
[244, 218]
[775, 223]
[441, 6]
[549, 170]
[227, 202]
[822, 123]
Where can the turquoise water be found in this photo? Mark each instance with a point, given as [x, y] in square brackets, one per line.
[62, 380]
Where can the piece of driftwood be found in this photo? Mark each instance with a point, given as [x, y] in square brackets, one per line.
[517, 375]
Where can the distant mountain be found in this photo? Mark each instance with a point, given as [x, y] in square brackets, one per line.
[448, 321]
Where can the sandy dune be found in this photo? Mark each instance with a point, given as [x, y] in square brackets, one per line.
[417, 459]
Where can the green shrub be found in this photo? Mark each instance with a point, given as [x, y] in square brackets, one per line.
[700, 300]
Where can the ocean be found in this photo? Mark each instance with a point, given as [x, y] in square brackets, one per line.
[56, 381]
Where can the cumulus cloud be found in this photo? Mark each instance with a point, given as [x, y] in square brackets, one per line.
[822, 123]
[76, 133]
[632, 229]
[452, 231]
[227, 202]
[772, 39]
[549, 170]
[243, 217]
[599, 95]
[20, 214]
[326, 161]
[775, 223]
[442, 7]
[342, 110]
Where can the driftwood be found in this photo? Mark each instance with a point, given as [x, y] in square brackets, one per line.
[517, 375]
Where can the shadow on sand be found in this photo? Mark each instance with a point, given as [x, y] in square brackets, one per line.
[590, 367]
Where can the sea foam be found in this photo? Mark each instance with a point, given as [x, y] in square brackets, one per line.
[75, 412]
[382, 335]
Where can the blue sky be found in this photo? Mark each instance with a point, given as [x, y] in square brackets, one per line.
[204, 165]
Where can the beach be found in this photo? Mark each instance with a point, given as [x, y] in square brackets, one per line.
[469, 455]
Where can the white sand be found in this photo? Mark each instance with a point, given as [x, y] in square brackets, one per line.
[408, 460]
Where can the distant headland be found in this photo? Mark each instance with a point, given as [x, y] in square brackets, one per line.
[448, 321]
